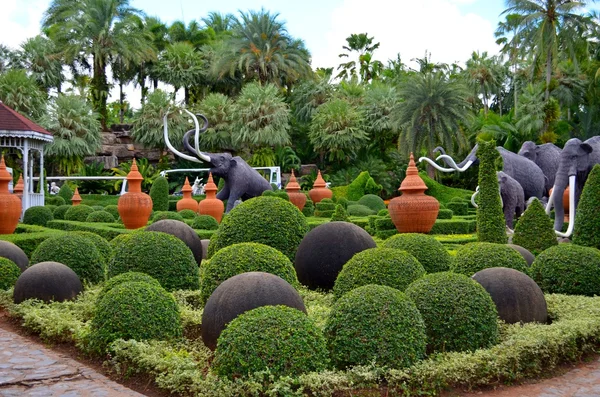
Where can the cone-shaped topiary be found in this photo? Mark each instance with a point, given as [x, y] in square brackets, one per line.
[159, 193]
[587, 219]
[9, 273]
[490, 218]
[37, 216]
[428, 251]
[339, 214]
[474, 257]
[66, 193]
[535, 230]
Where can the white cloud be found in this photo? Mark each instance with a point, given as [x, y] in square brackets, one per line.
[20, 20]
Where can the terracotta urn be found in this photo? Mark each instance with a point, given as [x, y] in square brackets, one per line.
[76, 199]
[293, 190]
[10, 204]
[565, 202]
[319, 190]
[134, 206]
[187, 202]
[211, 205]
[19, 187]
[413, 212]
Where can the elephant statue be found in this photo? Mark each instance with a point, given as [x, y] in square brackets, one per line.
[241, 181]
[576, 162]
[513, 197]
[546, 156]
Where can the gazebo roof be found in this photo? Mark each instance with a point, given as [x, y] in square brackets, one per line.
[16, 125]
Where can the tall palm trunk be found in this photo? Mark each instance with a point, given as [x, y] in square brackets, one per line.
[548, 74]
[100, 89]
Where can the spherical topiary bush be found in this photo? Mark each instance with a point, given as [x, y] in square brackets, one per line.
[118, 240]
[324, 251]
[183, 232]
[535, 230]
[129, 277]
[161, 255]
[54, 200]
[66, 193]
[103, 246]
[47, 281]
[375, 203]
[205, 222]
[375, 323]
[359, 210]
[100, 216]
[37, 216]
[134, 310]
[381, 266]
[159, 193]
[9, 273]
[459, 314]
[428, 251]
[162, 215]
[187, 214]
[60, 211]
[14, 253]
[473, 257]
[51, 208]
[77, 252]
[78, 213]
[98, 208]
[568, 269]
[240, 294]
[517, 297]
[276, 338]
[266, 220]
[242, 258]
[113, 210]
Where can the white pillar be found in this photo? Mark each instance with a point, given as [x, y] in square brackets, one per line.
[42, 182]
[25, 175]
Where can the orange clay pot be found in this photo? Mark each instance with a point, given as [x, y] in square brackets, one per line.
[187, 202]
[76, 199]
[293, 190]
[10, 204]
[211, 205]
[134, 206]
[565, 202]
[319, 190]
[19, 187]
[413, 212]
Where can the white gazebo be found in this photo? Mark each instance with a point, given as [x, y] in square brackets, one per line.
[16, 131]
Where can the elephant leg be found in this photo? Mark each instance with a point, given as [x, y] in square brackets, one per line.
[233, 197]
[509, 214]
[224, 193]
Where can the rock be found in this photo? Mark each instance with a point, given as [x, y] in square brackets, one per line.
[14, 253]
[528, 256]
[183, 232]
[47, 281]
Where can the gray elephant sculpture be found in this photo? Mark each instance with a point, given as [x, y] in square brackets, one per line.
[241, 181]
[513, 198]
[546, 156]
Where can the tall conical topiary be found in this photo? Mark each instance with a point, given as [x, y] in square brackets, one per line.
[66, 193]
[159, 192]
[587, 218]
[490, 219]
[535, 229]
[340, 214]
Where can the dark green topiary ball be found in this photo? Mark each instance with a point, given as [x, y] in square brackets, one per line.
[375, 323]
[162, 215]
[134, 310]
[535, 230]
[78, 213]
[100, 216]
[98, 208]
[9, 273]
[428, 251]
[37, 216]
[113, 210]
[568, 269]
[359, 210]
[372, 201]
[161, 255]
[74, 251]
[266, 220]
[159, 193]
[459, 314]
[59, 213]
[381, 266]
[474, 257]
[54, 200]
[103, 246]
[205, 222]
[129, 277]
[51, 208]
[279, 339]
[66, 193]
[242, 258]
[187, 214]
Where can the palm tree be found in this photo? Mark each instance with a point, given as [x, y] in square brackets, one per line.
[219, 23]
[38, 57]
[99, 29]
[511, 45]
[367, 68]
[218, 136]
[158, 33]
[571, 86]
[6, 56]
[485, 74]
[181, 66]
[531, 108]
[192, 34]
[380, 101]
[22, 93]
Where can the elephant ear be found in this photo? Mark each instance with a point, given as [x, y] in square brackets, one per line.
[586, 147]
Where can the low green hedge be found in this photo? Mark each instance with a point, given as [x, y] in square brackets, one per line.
[360, 222]
[113, 210]
[60, 211]
[453, 226]
[188, 214]
[384, 223]
[99, 199]
[372, 201]
[162, 215]
[28, 242]
[54, 200]
[204, 222]
[108, 231]
[458, 207]
[445, 214]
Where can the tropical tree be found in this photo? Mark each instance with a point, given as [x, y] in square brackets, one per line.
[219, 23]
[181, 66]
[22, 93]
[38, 57]
[157, 32]
[367, 67]
[217, 110]
[506, 34]
[485, 74]
[193, 34]
[531, 109]
[380, 101]
[6, 55]
[308, 95]
[570, 86]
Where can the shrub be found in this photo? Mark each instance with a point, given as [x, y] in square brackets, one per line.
[37, 216]
[266, 220]
[161, 215]
[378, 324]
[445, 214]
[474, 257]
[9, 273]
[162, 256]
[568, 269]
[101, 244]
[78, 213]
[134, 310]
[51, 208]
[54, 200]
[372, 201]
[309, 208]
[60, 211]
[129, 277]
[76, 252]
[279, 339]
[359, 210]
[428, 251]
[340, 214]
[535, 230]
[187, 214]
[384, 223]
[242, 258]
[384, 212]
[113, 210]
[277, 193]
[381, 266]
[459, 208]
[363, 184]
[587, 218]
[118, 240]
[159, 193]
[100, 216]
[66, 193]
[205, 222]
[459, 314]
[325, 208]
[343, 201]
[490, 218]
[97, 207]
[454, 226]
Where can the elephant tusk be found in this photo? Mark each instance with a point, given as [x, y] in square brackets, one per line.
[473, 197]
[199, 153]
[436, 166]
[453, 164]
[551, 200]
[168, 142]
[571, 209]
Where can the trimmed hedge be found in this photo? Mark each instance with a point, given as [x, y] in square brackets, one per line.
[129, 277]
[458, 207]
[340, 214]
[37, 216]
[97, 207]
[384, 223]
[445, 214]
[279, 339]
[491, 226]
[359, 210]
[100, 217]
[60, 211]
[78, 213]
[54, 200]
[113, 210]
[473, 257]
[454, 226]
[309, 208]
[277, 193]
[159, 193]
[101, 244]
[372, 201]
[108, 231]
[587, 218]
[325, 208]
[9, 273]
[384, 212]
[429, 252]
[385, 234]
[205, 222]
[535, 230]
[162, 215]
[28, 242]
[187, 214]
[66, 193]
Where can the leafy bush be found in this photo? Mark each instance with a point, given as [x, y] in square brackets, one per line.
[340, 214]
[372, 201]
[60, 211]
[442, 193]
[340, 192]
[325, 208]
[375, 323]
[76, 252]
[568, 269]
[384, 223]
[359, 210]
[490, 218]
[266, 220]
[187, 214]
[279, 339]
[161, 215]
[51, 208]
[54, 200]
[97, 207]
[535, 230]
[134, 310]
[474, 257]
[205, 222]
[587, 218]
[459, 314]
[101, 217]
[309, 208]
[129, 277]
[66, 193]
[428, 251]
[162, 256]
[445, 214]
[78, 213]
[381, 266]
[454, 226]
[37, 216]
[9, 273]
[101, 244]
[113, 210]
[277, 193]
[159, 193]
[242, 258]
[459, 208]
[343, 201]
[363, 184]
[384, 212]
